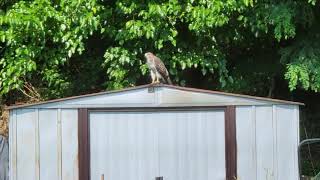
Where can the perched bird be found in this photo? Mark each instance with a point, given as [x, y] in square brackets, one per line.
[157, 69]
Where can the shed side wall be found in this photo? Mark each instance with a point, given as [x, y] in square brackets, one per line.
[12, 145]
[43, 144]
[48, 141]
[287, 142]
[267, 140]
[26, 138]
[69, 144]
[265, 143]
[246, 139]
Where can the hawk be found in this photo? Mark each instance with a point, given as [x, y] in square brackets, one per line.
[157, 69]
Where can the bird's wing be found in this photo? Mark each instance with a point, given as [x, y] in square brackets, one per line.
[161, 68]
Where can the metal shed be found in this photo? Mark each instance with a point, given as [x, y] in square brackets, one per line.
[155, 132]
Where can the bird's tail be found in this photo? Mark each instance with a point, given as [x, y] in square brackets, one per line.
[169, 80]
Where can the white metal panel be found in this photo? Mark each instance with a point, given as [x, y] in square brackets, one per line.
[159, 96]
[216, 147]
[26, 157]
[12, 145]
[59, 145]
[15, 146]
[267, 140]
[138, 97]
[171, 97]
[287, 142]
[69, 133]
[297, 137]
[48, 144]
[275, 141]
[123, 146]
[191, 145]
[37, 142]
[178, 145]
[246, 142]
[34, 144]
[264, 143]
[10, 142]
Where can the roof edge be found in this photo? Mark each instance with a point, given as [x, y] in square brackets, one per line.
[157, 85]
[79, 96]
[231, 94]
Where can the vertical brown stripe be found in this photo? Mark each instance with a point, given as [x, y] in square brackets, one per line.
[230, 143]
[83, 140]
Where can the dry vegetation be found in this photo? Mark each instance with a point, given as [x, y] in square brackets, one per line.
[4, 120]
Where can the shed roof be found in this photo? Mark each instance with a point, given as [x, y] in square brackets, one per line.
[155, 95]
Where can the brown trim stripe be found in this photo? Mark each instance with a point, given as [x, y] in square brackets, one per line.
[230, 143]
[84, 144]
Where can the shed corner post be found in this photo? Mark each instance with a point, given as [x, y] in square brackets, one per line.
[230, 143]
[83, 143]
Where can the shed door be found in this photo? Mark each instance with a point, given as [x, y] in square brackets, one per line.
[175, 145]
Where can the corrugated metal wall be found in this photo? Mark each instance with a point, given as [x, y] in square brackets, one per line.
[44, 144]
[177, 145]
[4, 158]
[267, 139]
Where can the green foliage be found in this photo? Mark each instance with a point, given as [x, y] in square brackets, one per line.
[161, 27]
[272, 16]
[120, 67]
[303, 63]
[39, 38]
[46, 44]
